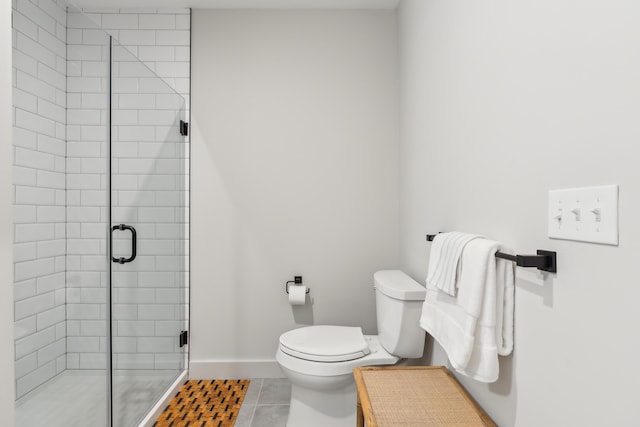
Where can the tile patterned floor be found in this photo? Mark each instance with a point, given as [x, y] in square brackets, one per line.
[266, 403]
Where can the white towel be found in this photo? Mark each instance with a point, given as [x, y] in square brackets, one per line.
[477, 325]
[444, 260]
[494, 330]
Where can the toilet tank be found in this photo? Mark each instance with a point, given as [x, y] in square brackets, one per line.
[399, 301]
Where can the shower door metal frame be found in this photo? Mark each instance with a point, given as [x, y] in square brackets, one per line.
[109, 250]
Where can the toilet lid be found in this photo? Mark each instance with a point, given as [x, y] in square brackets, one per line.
[325, 343]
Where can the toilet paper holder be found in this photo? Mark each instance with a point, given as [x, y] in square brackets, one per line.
[297, 280]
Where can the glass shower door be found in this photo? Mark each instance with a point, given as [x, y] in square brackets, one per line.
[149, 237]
[97, 145]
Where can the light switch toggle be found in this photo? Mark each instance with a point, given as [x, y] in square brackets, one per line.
[589, 214]
[576, 212]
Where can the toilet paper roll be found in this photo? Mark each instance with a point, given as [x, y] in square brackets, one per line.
[297, 294]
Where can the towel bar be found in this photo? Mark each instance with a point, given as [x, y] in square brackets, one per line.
[544, 260]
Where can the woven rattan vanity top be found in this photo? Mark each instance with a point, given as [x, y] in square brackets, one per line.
[414, 396]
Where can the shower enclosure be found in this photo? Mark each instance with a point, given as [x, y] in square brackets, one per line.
[101, 230]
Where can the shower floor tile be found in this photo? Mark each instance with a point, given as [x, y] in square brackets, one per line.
[78, 399]
[72, 398]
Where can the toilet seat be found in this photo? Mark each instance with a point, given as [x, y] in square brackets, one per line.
[325, 343]
[377, 356]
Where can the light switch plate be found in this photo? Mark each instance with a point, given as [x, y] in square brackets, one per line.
[588, 214]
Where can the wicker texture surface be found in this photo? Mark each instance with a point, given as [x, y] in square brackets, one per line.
[205, 403]
[418, 398]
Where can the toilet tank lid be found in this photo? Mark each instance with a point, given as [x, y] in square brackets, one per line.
[396, 284]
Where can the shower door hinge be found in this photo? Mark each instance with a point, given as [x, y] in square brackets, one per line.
[184, 128]
[184, 338]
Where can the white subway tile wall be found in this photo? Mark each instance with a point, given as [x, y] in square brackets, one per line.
[39, 101]
[149, 174]
[60, 62]
[160, 38]
[87, 198]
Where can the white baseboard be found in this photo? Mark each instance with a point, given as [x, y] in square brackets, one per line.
[234, 369]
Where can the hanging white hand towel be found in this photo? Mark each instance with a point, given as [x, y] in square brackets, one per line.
[477, 325]
[445, 262]
[494, 330]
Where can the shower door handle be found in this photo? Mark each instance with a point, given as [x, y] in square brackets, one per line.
[134, 238]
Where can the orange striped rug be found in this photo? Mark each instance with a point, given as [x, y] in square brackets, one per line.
[205, 403]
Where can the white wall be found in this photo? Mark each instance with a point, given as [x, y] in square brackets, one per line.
[502, 102]
[294, 172]
[7, 396]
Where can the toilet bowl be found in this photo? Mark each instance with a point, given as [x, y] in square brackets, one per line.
[319, 360]
[323, 393]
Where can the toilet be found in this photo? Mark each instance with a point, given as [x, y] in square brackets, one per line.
[319, 360]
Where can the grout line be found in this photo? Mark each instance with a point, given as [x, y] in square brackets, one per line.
[253, 412]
